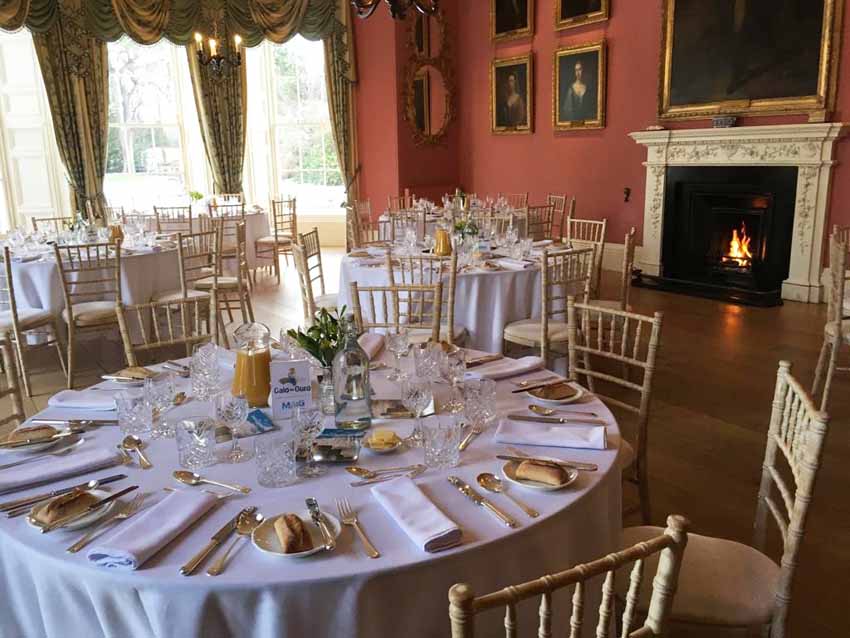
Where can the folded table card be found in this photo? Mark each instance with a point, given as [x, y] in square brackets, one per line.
[588, 437]
[291, 387]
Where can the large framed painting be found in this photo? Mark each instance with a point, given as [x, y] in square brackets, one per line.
[578, 94]
[575, 13]
[512, 95]
[511, 19]
[744, 57]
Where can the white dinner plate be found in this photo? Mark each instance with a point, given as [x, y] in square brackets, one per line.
[265, 538]
[509, 472]
[544, 401]
[35, 447]
[85, 521]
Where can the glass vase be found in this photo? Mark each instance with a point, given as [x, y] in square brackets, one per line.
[326, 392]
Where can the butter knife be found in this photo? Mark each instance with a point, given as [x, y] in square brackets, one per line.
[313, 506]
[476, 498]
[570, 465]
[480, 361]
[217, 539]
[521, 416]
[98, 504]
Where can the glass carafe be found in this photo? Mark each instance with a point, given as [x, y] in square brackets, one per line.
[352, 394]
[253, 358]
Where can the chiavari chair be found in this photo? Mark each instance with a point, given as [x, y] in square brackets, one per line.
[581, 233]
[197, 260]
[388, 308]
[233, 291]
[16, 416]
[665, 549]
[630, 343]
[625, 287]
[564, 273]
[224, 199]
[16, 322]
[516, 200]
[403, 220]
[113, 214]
[363, 230]
[540, 219]
[559, 202]
[307, 254]
[225, 218]
[284, 228]
[402, 202]
[139, 220]
[173, 219]
[53, 225]
[165, 326]
[91, 285]
[725, 585]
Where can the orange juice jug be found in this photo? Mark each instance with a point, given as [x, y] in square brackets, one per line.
[253, 359]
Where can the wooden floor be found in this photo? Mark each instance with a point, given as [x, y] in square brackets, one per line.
[710, 413]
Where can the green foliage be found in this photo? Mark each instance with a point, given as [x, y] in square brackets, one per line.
[466, 227]
[195, 196]
[324, 338]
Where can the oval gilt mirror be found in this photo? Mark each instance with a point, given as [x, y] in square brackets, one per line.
[430, 98]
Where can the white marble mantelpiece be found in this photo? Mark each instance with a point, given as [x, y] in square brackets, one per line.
[809, 147]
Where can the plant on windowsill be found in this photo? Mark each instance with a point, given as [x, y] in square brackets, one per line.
[195, 196]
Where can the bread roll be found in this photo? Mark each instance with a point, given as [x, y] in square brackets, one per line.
[541, 473]
[65, 506]
[292, 534]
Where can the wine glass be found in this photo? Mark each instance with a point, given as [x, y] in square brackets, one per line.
[397, 343]
[453, 370]
[416, 395]
[426, 360]
[232, 412]
[308, 425]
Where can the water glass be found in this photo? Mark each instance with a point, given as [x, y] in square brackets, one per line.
[453, 370]
[205, 372]
[196, 442]
[441, 440]
[479, 401]
[135, 413]
[232, 411]
[275, 453]
[426, 360]
[307, 425]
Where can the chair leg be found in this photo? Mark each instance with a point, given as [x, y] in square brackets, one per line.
[643, 490]
[250, 307]
[830, 371]
[277, 267]
[819, 367]
[23, 374]
[57, 342]
[70, 358]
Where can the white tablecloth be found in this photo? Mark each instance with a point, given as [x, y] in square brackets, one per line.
[485, 302]
[46, 591]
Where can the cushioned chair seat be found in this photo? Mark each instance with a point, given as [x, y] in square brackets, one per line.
[223, 282]
[325, 301]
[283, 240]
[721, 582]
[92, 313]
[177, 295]
[27, 318]
[527, 332]
[422, 335]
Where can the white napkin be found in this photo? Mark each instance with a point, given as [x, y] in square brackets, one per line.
[416, 515]
[509, 263]
[143, 536]
[542, 243]
[56, 467]
[505, 368]
[371, 343]
[586, 437]
[82, 400]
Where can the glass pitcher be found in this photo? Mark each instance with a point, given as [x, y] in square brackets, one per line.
[253, 358]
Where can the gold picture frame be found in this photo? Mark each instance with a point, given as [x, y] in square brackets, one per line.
[600, 15]
[513, 34]
[816, 105]
[566, 114]
[503, 116]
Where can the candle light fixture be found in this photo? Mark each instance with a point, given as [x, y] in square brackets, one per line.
[398, 8]
[215, 53]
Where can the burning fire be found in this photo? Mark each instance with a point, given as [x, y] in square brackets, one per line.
[739, 247]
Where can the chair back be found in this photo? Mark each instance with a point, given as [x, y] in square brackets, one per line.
[390, 307]
[402, 202]
[173, 219]
[312, 250]
[428, 270]
[403, 220]
[308, 299]
[8, 304]
[516, 200]
[581, 233]
[284, 221]
[837, 279]
[197, 256]
[16, 416]
[540, 220]
[223, 199]
[363, 230]
[113, 214]
[559, 202]
[55, 225]
[628, 267]
[165, 325]
[89, 272]
[464, 606]
[225, 219]
[796, 435]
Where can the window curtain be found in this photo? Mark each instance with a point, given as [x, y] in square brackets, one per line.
[74, 67]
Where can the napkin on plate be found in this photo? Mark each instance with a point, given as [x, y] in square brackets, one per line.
[509, 263]
[83, 400]
[505, 368]
[372, 344]
[587, 437]
[147, 533]
[56, 467]
[416, 515]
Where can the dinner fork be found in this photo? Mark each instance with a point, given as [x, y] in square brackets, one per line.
[475, 431]
[126, 511]
[349, 517]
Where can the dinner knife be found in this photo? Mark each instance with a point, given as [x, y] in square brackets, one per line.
[539, 386]
[476, 498]
[571, 465]
[117, 460]
[30, 500]
[480, 361]
[96, 505]
[313, 506]
[11, 445]
[217, 539]
[81, 422]
[517, 416]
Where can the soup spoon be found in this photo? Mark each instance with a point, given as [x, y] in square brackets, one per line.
[362, 472]
[493, 483]
[539, 409]
[245, 525]
[132, 442]
[190, 478]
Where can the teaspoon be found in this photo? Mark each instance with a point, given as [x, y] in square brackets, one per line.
[493, 483]
[132, 442]
[190, 478]
[539, 409]
[362, 472]
[245, 525]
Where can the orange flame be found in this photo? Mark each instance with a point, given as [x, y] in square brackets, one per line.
[739, 247]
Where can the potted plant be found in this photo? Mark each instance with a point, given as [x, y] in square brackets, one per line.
[322, 341]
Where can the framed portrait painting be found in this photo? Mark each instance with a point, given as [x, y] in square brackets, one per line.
[511, 19]
[730, 57]
[575, 13]
[512, 95]
[579, 87]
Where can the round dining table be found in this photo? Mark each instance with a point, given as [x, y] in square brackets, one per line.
[49, 592]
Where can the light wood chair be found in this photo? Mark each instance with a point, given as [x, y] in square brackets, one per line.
[197, 260]
[16, 322]
[581, 233]
[166, 325]
[225, 218]
[559, 202]
[402, 202]
[173, 219]
[140, 220]
[401, 221]
[363, 230]
[622, 300]
[91, 284]
[540, 220]
[729, 585]
[307, 254]
[629, 342]
[114, 214]
[836, 331]
[283, 222]
[15, 416]
[516, 200]
[386, 308]
[666, 548]
[225, 199]
[565, 273]
[429, 270]
[53, 225]
[233, 291]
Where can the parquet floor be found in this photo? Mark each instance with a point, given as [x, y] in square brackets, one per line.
[710, 413]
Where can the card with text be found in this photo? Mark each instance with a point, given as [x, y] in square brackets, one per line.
[291, 387]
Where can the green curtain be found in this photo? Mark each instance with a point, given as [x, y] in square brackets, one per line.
[75, 71]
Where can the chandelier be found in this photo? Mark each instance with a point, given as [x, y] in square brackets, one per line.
[213, 56]
[398, 8]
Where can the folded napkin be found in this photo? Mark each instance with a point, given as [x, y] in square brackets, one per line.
[505, 368]
[542, 243]
[370, 261]
[588, 437]
[82, 400]
[54, 468]
[372, 344]
[509, 263]
[144, 535]
[416, 515]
